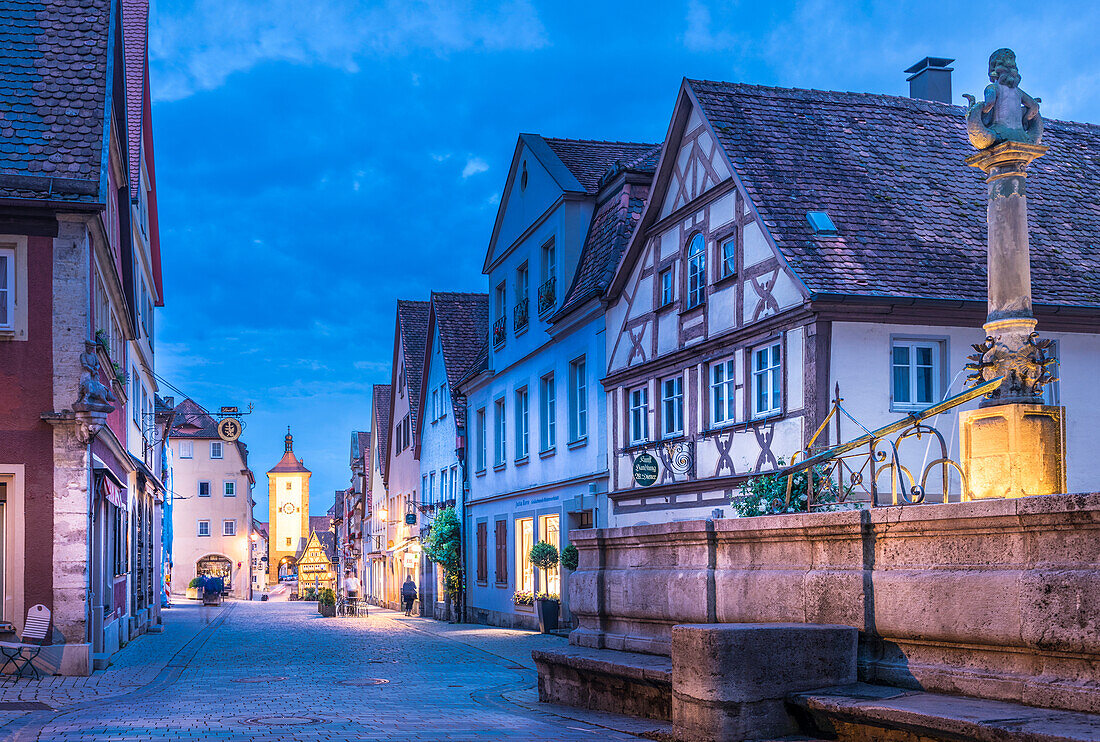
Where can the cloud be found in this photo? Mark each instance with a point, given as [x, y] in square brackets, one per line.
[197, 45]
[699, 34]
[474, 165]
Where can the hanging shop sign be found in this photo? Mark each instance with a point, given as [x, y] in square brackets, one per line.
[410, 560]
[410, 519]
[645, 469]
[229, 429]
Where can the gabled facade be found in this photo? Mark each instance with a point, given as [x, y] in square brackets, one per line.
[212, 513]
[536, 452]
[798, 242]
[71, 312]
[457, 334]
[375, 528]
[402, 472]
[316, 560]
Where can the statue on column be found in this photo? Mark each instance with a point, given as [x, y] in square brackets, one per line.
[1007, 114]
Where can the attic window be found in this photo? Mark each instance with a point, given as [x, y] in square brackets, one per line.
[523, 177]
[820, 222]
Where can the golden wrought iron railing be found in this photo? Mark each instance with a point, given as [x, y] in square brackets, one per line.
[852, 472]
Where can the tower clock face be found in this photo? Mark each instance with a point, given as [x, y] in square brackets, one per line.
[288, 508]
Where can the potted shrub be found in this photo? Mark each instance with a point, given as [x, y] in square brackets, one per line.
[194, 589]
[326, 603]
[570, 558]
[212, 591]
[544, 556]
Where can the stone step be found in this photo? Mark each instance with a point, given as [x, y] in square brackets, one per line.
[861, 711]
[606, 680]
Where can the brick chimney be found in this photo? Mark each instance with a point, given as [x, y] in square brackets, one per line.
[930, 79]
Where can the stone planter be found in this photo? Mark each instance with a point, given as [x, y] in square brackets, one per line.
[211, 598]
[193, 593]
[547, 611]
[327, 610]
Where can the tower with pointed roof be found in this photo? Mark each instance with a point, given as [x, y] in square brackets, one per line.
[288, 503]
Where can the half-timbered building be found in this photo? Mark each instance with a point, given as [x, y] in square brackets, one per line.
[799, 243]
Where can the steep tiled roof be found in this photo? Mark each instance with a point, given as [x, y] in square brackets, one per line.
[320, 523]
[289, 463]
[380, 411]
[135, 34]
[608, 235]
[53, 84]
[910, 214]
[260, 527]
[463, 326]
[588, 160]
[192, 421]
[412, 316]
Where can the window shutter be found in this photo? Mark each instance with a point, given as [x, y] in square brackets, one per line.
[502, 552]
[482, 555]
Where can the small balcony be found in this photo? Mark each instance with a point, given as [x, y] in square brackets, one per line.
[519, 314]
[498, 331]
[548, 294]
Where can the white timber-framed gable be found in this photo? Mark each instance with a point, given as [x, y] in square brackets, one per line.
[701, 289]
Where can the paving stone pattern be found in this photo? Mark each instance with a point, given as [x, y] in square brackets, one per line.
[278, 671]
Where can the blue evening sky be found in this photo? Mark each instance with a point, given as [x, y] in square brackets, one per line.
[318, 160]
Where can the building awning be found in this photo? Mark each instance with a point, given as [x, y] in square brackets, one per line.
[107, 483]
[148, 474]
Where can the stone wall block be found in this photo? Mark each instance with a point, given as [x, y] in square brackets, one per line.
[948, 605]
[836, 597]
[729, 681]
[759, 595]
[1061, 609]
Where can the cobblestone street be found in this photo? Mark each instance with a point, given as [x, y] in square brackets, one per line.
[277, 670]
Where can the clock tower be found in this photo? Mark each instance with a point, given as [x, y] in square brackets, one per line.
[288, 510]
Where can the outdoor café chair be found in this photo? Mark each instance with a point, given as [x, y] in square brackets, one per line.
[21, 655]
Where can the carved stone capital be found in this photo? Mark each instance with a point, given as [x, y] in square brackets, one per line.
[1006, 159]
[1014, 351]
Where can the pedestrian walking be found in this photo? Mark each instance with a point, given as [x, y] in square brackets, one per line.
[408, 594]
[352, 586]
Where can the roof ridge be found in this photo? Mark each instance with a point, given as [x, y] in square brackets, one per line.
[595, 141]
[461, 293]
[901, 101]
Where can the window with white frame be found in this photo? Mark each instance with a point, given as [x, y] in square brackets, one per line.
[547, 413]
[578, 400]
[481, 436]
[187, 449]
[501, 300]
[522, 429]
[723, 383]
[204, 489]
[229, 489]
[668, 292]
[672, 406]
[639, 414]
[204, 528]
[728, 250]
[429, 489]
[697, 271]
[915, 373]
[443, 399]
[215, 449]
[501, 444]
[435, 405]
[454, 482]
[766, 380]
[229, 528]
[443, 475]
[7, 288]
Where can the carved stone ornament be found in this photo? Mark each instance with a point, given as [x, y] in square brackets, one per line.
[95, 400]
[1007, 114]
[1026, 371]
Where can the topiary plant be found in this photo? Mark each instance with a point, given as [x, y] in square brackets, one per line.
[197, 582]
[327, 597]
[570, 557]
[544, 555]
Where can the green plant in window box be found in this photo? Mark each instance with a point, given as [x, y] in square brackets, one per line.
[103, 341]
[120, 375]
[767, 494]
[570, 558]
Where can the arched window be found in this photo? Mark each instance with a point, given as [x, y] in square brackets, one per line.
[697, 271]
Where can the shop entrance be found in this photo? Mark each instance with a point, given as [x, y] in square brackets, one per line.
[214, 565]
